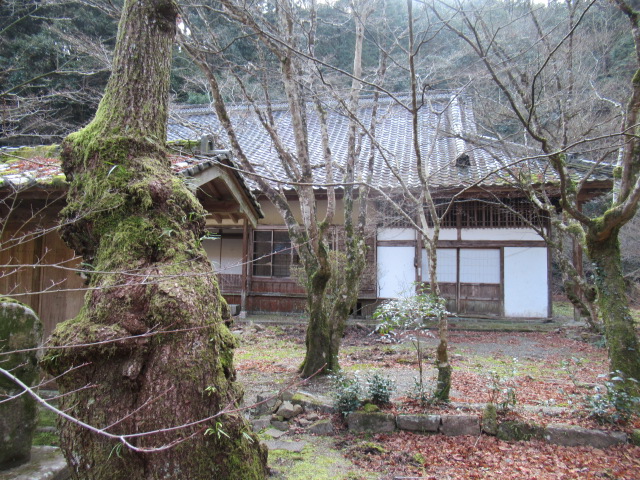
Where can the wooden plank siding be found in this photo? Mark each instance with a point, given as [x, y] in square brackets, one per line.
[40, 272]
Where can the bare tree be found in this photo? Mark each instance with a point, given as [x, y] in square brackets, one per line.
[557, 108]
[285, 39]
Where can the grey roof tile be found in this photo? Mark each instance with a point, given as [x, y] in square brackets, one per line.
[445, 122]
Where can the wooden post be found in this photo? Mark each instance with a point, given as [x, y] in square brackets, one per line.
[245, 263]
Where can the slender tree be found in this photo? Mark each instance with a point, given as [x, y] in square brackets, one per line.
[286, 40]
[139, 229]
[556, 106]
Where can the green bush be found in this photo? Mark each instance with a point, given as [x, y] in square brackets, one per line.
[380, 389]
[347, 394]
[611, 403]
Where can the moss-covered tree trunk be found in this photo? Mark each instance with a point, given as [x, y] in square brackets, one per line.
[443, 382]
[320, 355]
[139, 229]
[619, 328]
[331, 296]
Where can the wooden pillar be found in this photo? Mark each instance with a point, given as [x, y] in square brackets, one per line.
[245, 266]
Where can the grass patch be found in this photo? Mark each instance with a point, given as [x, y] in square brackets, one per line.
[278, 352]
[319, 461]
[46, 419]
[563, 309]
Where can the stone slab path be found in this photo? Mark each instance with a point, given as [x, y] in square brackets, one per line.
[47, 463]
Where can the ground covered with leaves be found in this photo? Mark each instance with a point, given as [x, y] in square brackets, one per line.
[546, 377]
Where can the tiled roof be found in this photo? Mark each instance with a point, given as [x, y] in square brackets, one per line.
[446, 123]
[20, 169]
[446, 126]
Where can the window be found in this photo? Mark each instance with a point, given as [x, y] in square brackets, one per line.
[506, 213]
[273, 253]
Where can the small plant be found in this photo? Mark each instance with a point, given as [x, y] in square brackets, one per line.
[420, 392]
[611, 403]
[502, 390]
[347, 394]
[408, 314]
[380, 389]
[572, 367]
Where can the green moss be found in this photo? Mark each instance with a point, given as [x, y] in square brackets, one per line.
[515, 430]
[370, 408]
[44, 151]
[617, 172]
[46, 439]
[319, 461]
[419, 459]
[634, 438]
[371, 448]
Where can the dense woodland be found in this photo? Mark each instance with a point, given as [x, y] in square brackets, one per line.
[55, 57]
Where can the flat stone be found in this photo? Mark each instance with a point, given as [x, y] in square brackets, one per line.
[371, 422]
[572, 436]
[284, 426]
[282, 445]
[455, 425]
[311, 402]
[312, 417]
[272, 432]
[418, 423]
[260, 423]
[321, 427]
[47, 463]
[286, 396]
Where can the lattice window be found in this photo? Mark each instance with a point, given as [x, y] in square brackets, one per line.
[508, 213]
[273, 253]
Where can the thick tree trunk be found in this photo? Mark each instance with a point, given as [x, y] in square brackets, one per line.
[139, 229]
[619, 328]
[320, 355]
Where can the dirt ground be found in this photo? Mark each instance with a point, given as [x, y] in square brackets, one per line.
[550, 373]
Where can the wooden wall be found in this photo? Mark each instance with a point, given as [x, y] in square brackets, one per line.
[37, 269]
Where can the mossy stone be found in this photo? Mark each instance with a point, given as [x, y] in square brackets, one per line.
[514, 430]
[370, 408]
[20, 329]
[490, 419]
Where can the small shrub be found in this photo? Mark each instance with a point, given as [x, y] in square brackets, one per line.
[380, 389]
[409, 315]
[347, 394]
[611, 403]
[502, 390]
[420, 392]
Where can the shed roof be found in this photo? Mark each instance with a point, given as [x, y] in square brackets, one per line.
[21, 168]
